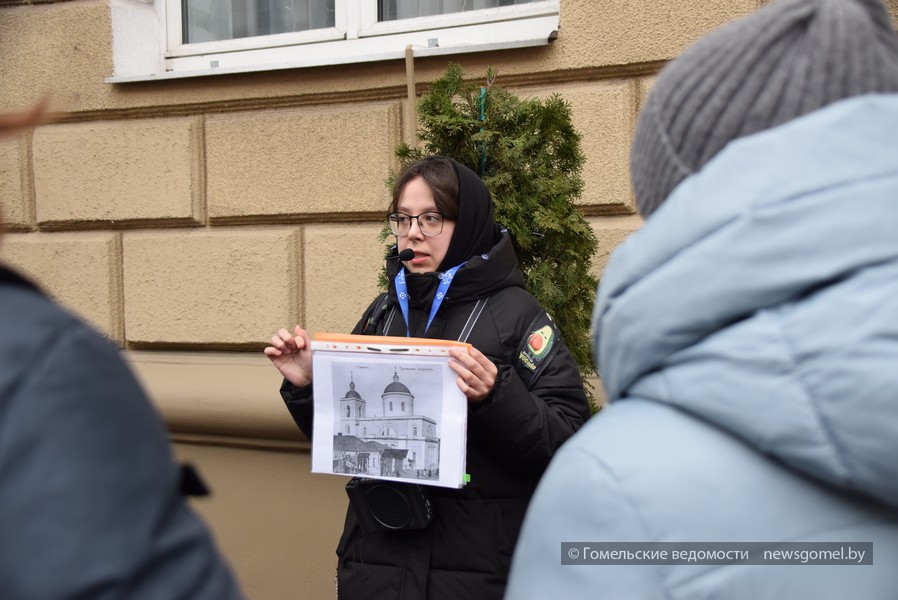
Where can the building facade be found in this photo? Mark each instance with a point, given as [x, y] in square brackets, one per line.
[212, 175]
[394, 425]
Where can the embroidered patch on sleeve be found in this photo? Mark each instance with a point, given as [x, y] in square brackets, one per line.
[538, 346]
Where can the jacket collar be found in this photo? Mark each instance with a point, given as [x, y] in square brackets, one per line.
[481, 276]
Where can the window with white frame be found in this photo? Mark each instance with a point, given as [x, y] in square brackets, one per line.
[179, 38]
[217, 20]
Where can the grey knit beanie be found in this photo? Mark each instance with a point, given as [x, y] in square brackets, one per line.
[785, 60]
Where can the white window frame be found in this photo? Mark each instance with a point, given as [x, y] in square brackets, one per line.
[147, 44]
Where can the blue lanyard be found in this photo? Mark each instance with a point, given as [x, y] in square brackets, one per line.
[402, 292]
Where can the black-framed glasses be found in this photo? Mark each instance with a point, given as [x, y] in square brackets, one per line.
[430, 223]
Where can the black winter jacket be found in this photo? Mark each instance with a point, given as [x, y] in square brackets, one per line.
[466, 551]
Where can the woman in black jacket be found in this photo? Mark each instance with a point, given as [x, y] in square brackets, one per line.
[525, 395]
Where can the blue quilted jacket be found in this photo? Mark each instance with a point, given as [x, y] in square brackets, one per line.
[747, 338]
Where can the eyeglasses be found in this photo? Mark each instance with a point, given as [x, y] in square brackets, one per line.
[430, 223]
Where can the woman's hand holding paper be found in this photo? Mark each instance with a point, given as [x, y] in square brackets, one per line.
[291, 354]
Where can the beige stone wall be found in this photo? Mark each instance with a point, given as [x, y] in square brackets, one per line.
[188, 219]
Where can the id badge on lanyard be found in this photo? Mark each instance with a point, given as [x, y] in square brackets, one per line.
[402, 294]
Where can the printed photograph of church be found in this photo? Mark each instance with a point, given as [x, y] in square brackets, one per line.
[381, 429]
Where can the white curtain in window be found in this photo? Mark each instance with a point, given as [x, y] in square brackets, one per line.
[206, 20]
[407, 9]
[213, 20]
[299, 15]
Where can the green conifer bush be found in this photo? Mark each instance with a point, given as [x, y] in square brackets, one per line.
[528, 154]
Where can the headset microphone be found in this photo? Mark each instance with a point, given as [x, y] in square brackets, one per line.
[405, 255]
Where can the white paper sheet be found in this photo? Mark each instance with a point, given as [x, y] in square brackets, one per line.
[388, 409]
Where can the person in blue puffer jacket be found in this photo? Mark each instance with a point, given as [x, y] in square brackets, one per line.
[747, 334]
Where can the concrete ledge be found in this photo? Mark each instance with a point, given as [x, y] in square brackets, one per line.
[210, 398]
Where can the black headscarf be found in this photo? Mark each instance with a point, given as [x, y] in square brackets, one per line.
[475, 229]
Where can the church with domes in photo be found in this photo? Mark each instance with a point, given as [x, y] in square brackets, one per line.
[387, 438]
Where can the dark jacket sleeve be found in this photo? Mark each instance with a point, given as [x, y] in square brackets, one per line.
[91, 503]
[526, 425]
[299, 400]
[299, 403]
